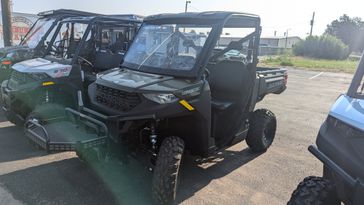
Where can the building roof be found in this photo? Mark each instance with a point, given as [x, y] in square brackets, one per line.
[279, 37]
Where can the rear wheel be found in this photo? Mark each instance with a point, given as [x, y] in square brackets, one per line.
[314, 190]
[166, 171]
[262, 130]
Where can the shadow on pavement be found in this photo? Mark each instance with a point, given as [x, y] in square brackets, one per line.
[194, 176]
[71, 181]
[63, 182]
[15, 146]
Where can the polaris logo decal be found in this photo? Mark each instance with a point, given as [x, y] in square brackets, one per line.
[62, 72]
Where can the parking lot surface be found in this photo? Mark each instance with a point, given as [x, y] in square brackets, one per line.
[235, 176]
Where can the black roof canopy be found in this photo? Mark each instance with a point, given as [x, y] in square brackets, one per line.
[66, 12]
[71, 12]
[112, 18]
[231, 19]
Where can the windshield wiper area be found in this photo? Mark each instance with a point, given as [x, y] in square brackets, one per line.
[155, 50]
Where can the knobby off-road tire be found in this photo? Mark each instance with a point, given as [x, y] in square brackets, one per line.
[165, 176]
[263, 125]
[314, 191]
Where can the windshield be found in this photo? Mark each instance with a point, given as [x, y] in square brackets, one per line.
[67, 39]
[34, 36]
[167, 47]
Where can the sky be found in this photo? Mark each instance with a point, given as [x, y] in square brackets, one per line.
[278, 15]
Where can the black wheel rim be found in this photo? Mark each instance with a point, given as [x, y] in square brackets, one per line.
[267, 137]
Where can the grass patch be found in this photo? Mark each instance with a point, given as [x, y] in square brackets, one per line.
[347, 66]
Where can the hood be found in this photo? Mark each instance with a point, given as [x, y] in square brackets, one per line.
[134, 81]
[40, 65]
[350, 111]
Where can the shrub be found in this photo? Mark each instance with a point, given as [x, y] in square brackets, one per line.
[286, 62]
[324, 47]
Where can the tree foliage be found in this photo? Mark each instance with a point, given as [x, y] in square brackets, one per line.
[323, 47]
[349, 30]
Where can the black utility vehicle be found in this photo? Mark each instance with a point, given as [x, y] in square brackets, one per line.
[79, 48]
[340, 147]
[182, 88]
[35, 41]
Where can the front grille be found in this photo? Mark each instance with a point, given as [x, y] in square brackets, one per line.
[20, 78]
[17, 79]
[116, 99]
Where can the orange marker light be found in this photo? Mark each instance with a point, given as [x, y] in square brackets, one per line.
[48, 83]
[6, 62]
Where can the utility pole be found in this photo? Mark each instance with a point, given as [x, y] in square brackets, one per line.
[312, 23]
[186, 7]
[6, 16]
[286, 33]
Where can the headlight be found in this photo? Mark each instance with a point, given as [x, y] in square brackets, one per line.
[161, 98]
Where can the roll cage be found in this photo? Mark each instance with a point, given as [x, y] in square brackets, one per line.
[218, 21]
[358, 81]
[57, 15]
[91, 21]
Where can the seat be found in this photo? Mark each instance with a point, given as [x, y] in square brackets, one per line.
[231, 83]
[105, 60]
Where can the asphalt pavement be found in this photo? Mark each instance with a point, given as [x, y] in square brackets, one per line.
[235, 176]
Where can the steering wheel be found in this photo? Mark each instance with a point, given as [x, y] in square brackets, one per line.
[56, 49]
[85, 60]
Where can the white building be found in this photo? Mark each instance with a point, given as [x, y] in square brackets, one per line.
[21, 23]
[274, 42]
[280, 42]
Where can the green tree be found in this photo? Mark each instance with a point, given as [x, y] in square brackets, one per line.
[348, 30]
[324, 47]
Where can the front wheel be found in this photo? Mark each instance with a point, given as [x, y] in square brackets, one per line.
[314, 190]
[263, 125]
[166, 170]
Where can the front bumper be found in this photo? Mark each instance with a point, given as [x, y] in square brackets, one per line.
[62, 134]
[340, 148]
[342, 178]
[5, 71]
[4, 95]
